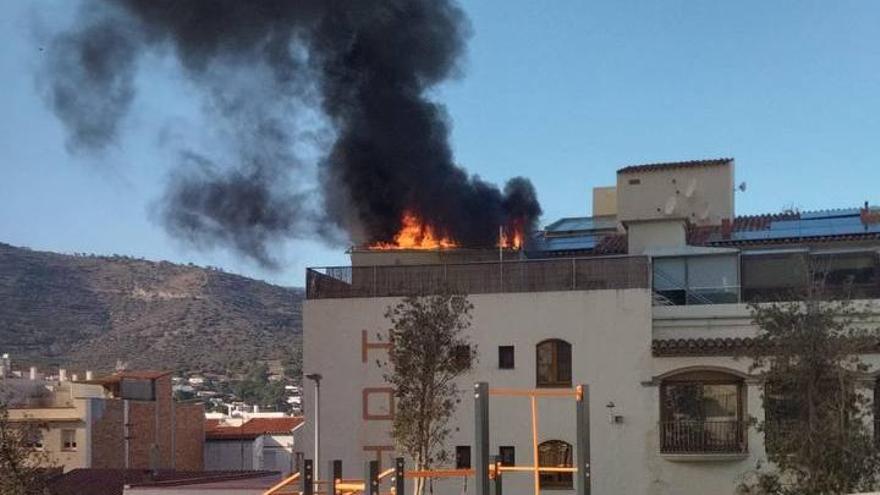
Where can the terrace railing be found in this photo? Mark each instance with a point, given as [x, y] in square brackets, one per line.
[702, 437]
[629, 272]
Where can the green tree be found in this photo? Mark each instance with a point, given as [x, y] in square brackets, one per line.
[22, 466]
[429, 351]
[817, 413]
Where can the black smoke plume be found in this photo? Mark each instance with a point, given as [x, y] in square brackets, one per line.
[267, 68]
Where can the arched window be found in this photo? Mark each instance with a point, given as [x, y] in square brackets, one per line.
[555, 453]
[553, 363]
[701, 411]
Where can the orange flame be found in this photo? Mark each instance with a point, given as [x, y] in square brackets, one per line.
[415, 235]
[511, 236]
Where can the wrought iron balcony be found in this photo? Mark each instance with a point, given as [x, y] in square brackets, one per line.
[702, 437]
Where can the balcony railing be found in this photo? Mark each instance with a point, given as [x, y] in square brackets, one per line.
[631, 272]
[702, 437]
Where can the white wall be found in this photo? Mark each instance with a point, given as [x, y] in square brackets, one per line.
[610, 333]
[229, 455]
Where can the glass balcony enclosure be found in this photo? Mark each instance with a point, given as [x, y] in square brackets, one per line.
[765, 275]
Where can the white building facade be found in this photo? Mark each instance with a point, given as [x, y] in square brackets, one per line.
[646, 304]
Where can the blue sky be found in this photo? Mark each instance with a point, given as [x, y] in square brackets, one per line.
[564, 92]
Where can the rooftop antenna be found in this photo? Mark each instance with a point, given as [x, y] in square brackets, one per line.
[741, 186]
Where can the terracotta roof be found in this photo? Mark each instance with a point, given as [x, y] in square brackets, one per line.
[253, 428]
[651, 167]
[113, 481]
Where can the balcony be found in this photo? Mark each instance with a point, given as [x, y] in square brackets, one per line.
[702, 437]
[628, 272]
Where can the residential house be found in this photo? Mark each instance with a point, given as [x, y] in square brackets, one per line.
[644, 301]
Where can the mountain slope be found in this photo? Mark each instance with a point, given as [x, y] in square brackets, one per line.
[88, 311]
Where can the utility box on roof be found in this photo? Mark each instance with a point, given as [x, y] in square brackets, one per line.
[699, 192]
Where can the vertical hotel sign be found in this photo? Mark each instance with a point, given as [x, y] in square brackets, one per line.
[370, 396]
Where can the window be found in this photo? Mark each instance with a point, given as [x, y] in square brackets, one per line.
[553, 363]
[505, 357]
[855, 275]
[710, 279]
[774, 276]
[702, 412]
[463, 457]
[555, 453]
[35, 441]
[68, 439]
[507, 455]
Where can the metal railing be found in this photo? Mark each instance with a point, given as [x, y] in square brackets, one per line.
[630, 272]
[702, 437]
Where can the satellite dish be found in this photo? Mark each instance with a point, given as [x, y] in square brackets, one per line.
[692, 187]
[670, 206]
[741, 187]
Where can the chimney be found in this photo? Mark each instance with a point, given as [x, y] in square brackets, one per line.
[256, 409]
[33, 373]
[90, 375]
[62, 375]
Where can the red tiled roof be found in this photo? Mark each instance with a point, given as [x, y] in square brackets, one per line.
[113, 481]
[651, 167]
[216, 430]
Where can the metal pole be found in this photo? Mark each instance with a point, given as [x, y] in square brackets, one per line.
[536, 474]
[371, 478]
[317, 426]
[501, 256]
[582, 432]
[316, 377]
[399, 482]
[481, 437]
[308, 481]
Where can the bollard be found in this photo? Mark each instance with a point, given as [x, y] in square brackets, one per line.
[399, 470]
[335, 475]
[308, 482]
[371, 478]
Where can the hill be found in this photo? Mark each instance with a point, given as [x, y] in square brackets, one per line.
[85, 312]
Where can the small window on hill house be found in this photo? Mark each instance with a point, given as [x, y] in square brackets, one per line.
[68, 439]
[505, 357]
[553, 363]
[555, 453]
[463, 457]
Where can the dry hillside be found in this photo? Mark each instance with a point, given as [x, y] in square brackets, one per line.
[88, 311]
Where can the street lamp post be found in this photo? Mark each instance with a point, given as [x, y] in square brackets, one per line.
[316, 377]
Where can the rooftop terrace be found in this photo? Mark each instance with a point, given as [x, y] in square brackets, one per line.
[560, 274]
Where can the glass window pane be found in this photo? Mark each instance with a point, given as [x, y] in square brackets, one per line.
[563, 355]
[682, 402]
[545, 363]
[712, 272]
[773, 271]
[669, 273]
[720, 402]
